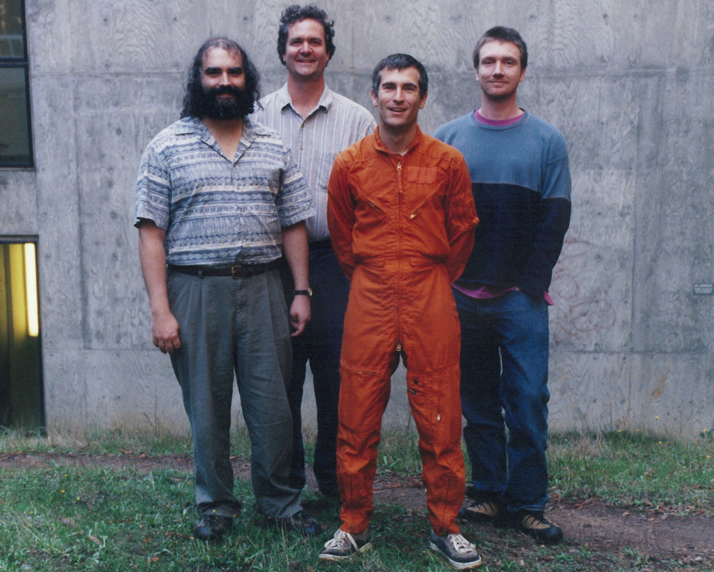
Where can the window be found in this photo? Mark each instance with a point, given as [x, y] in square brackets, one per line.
[15, 132]
[21, 393]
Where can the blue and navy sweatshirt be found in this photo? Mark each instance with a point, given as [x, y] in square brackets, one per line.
[521, 184]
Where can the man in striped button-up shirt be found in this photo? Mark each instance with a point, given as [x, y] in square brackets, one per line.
[316, 123]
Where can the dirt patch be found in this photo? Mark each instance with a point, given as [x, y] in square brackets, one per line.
[654, 534]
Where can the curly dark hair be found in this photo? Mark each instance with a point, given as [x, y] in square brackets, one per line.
[297, 13]
[502, 34]
[400, 62]
[194, 89]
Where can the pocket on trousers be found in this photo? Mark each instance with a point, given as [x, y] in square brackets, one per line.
[424, 402]
[436, 405]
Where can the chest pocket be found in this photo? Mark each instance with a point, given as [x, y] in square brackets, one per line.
[421, 175]
[423, 187]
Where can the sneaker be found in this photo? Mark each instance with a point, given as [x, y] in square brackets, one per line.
[344, 545]
[299, 522]
[212, 527]
[481, 510]
[459, 552]
[533, 523]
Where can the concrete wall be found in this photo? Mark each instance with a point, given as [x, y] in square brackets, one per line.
[630, 85]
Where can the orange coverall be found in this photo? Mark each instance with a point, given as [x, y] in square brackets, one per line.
[402, 227]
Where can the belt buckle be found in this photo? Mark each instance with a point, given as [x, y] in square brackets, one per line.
[236, 268]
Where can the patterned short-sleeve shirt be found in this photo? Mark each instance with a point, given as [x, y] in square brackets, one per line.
[218, 211]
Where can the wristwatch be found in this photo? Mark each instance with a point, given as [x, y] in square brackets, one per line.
[307, 292]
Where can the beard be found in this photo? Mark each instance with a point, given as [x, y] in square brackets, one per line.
[210, 104]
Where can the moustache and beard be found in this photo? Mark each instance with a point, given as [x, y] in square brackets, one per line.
[211, 105]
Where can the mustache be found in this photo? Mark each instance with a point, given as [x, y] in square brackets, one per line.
[224, 89]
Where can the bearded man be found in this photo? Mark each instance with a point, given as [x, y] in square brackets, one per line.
[219, 202]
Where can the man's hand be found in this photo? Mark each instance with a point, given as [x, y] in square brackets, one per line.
[299, 314]
[165, 332]
[296, 253]
[164, 327]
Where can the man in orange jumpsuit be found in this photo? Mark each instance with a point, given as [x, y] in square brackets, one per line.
[401, 217]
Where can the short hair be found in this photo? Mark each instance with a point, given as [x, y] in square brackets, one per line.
[400, 62]
[502, 34]
[296, 13]
[194, 89]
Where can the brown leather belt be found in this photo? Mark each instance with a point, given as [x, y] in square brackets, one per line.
[236, 271]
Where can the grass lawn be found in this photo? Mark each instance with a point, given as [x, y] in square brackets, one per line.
[635, 470]
[90, 517]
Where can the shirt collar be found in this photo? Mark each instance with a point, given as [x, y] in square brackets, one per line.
[379, 146]
[284, 100]
[190, 126]
[194, 126]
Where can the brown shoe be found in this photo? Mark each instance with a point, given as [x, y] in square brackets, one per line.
[481, 510]
[533, 523]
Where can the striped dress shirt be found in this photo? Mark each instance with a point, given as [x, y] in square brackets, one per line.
[335, 124]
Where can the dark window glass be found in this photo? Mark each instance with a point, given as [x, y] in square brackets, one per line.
[12, 30]
[14, 120]
[15, 127]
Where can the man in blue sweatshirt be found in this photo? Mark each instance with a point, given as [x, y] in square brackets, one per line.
[521, 184]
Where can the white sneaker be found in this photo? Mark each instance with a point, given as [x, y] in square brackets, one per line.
[460, 553]
[345, 545]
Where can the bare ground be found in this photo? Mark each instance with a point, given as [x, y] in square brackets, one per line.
[655, 534]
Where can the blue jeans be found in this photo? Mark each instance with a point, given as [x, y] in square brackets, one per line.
[504, 376]
[319, 344]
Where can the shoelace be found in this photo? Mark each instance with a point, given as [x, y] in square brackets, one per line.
[341, 540]
[460, 544]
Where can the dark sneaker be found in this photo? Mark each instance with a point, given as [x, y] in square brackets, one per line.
[299, 522]
[344, 545]
[533, 523]
[481, 510]
[458, 551]
[212, 527]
